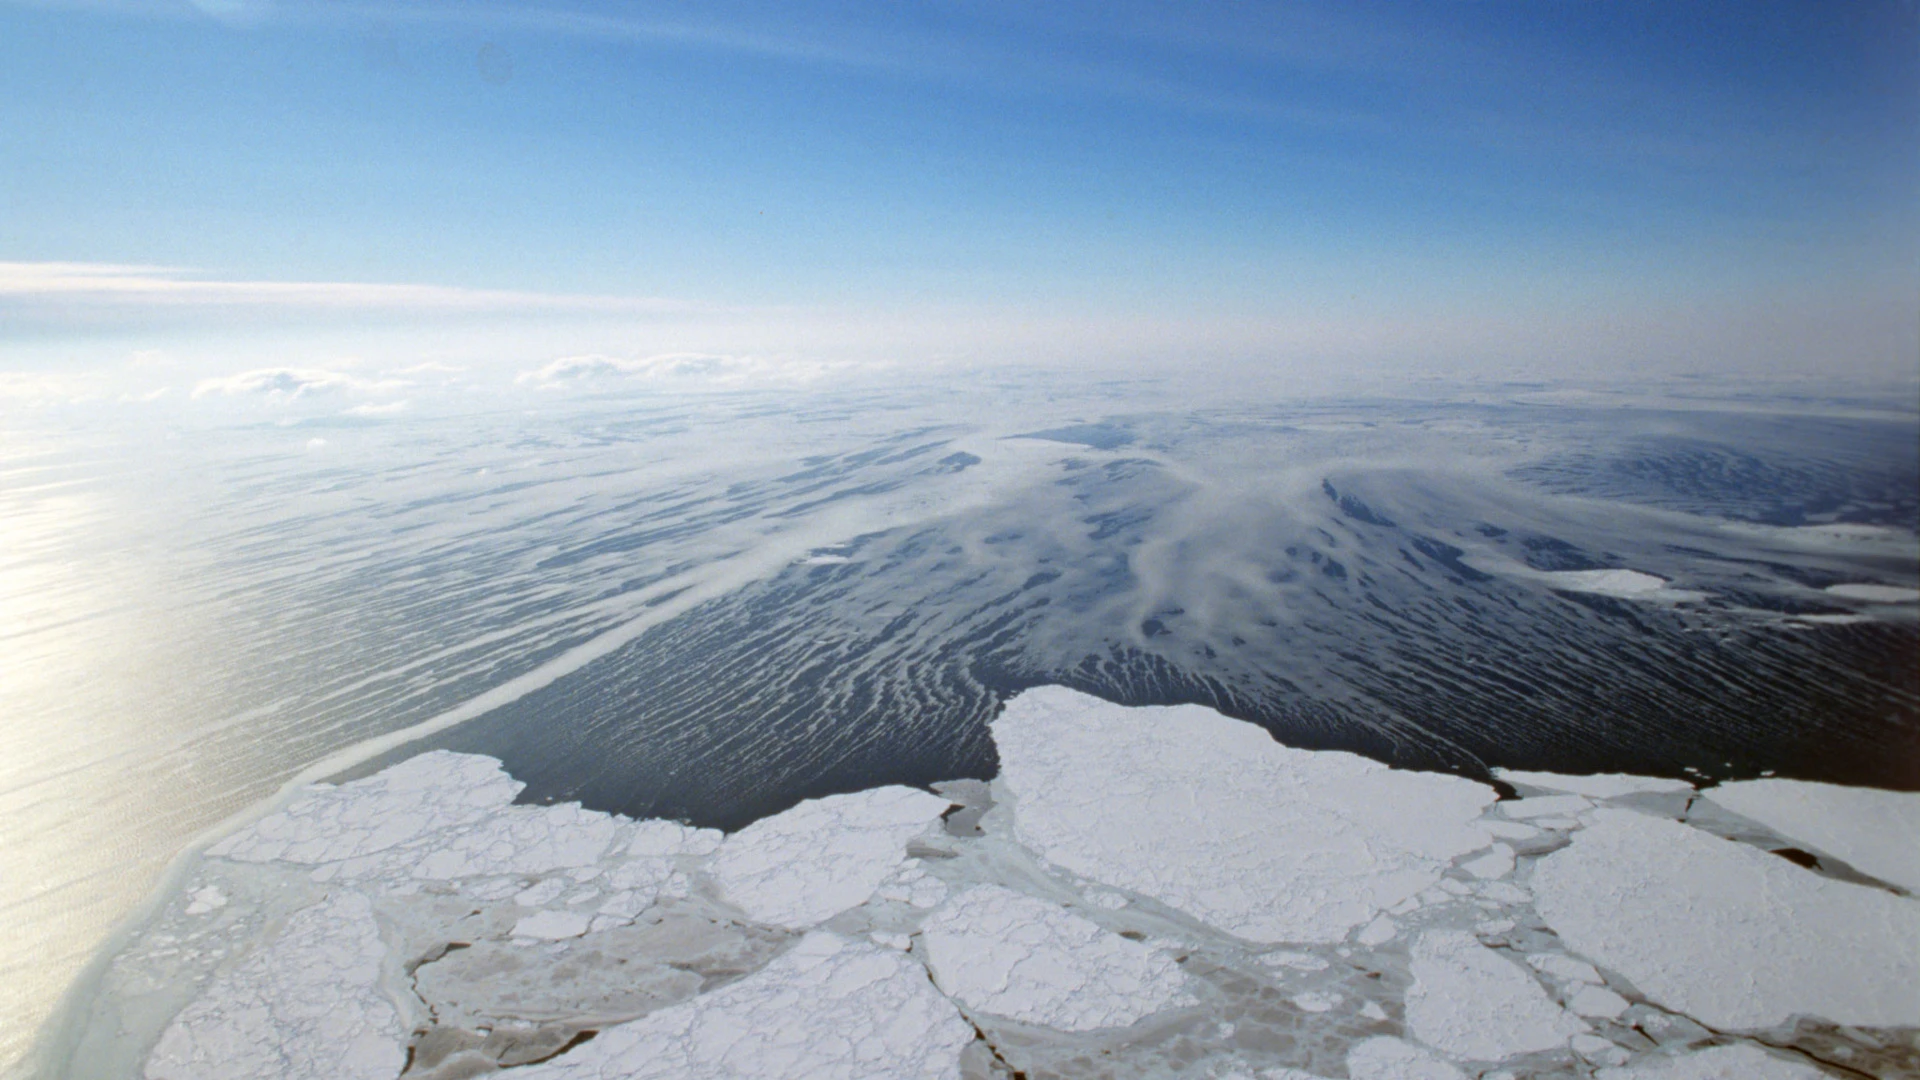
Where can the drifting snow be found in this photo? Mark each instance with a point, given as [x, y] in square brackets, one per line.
[1876, 832]
[1211, 816]
[1733, 936]
[1007, 953]
[1876, 594]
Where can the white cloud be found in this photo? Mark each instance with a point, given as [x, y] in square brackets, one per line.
[681, 369]
[391, 408]
[281, 384]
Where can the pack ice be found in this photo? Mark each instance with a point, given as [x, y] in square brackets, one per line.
[1141, 892]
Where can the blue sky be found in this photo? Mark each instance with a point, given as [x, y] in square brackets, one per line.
[1545, 183]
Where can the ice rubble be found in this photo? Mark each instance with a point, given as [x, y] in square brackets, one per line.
[1110, 905]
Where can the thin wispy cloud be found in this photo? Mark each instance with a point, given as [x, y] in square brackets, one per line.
[680, 369]
[26, 284]
[286, 384]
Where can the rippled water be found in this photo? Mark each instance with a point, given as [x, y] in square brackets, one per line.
[710, 607]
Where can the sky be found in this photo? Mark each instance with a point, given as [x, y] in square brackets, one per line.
[210, 188]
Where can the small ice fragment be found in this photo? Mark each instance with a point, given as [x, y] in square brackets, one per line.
[1315, 1002]
[553, 925]
[1496, 863]
[1557, 824]
[207, 899]
[1598, 1001]
[1743, 1061]
[1543, 805]
[1372, 1011]
[1303, 961]
[1505, 892]
[1597, 786]
[1377, 932]
[1508, 830]
[1595, 1048]
[1565, 968]
[1387, 1058]
[542, 894]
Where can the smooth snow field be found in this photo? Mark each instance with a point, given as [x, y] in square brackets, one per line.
[1140, 892]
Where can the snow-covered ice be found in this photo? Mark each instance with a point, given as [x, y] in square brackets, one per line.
[1117, 899]
[804, 865]
[1386, 1058]
[1211, 816]
[828, 1009]
[1726, 933]
[1010, 954]
[1473, 1003]
[1717, 1063]
[1593, 786]
[309, 1005]
[1876, 832]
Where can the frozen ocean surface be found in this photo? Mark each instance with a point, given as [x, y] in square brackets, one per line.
[709, 610]
[333, 937]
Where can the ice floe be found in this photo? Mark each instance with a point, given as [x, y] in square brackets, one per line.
[827, 1009]
[1007, 953]
[1717, 1063]
[1726, 933]
[1876, 832]
[1142, 892]
[1211, 816]
[804, 865]
[310, 1004]
[1472, 1003]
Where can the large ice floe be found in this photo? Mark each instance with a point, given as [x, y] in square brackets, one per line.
[1142, 892]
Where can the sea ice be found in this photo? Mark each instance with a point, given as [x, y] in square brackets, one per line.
[1735, 937]
[1595, 786]
[309, 1005]
[827, 1009]
[1876, 832]
[1470, 1002]
[1012, 955]
[1387, 1058]
[1211, 816]
[802, 866]
[1544, 805]
[1719, 1063]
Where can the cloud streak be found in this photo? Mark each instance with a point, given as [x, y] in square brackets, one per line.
[115, 285]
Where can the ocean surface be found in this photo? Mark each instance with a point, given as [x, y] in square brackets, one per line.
[710, 606]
